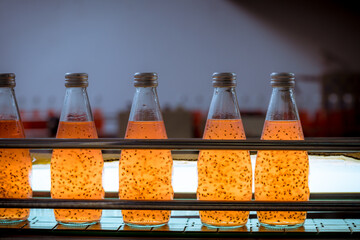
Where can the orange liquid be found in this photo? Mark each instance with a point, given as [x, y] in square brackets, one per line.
[224, 174]
[282, 175]
[15, 170]
[145, 174]
[77, 173]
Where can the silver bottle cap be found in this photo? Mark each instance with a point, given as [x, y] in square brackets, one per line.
[282, 79]
[7, 80]
[146, 79]
[76, 80]
[224, 79]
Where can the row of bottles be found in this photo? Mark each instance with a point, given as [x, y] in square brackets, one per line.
[145, 174]
[227, 174]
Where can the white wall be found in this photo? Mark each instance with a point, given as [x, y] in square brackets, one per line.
[184, 41]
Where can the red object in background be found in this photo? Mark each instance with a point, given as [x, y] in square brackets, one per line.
[306, 123]
[196, 123]
[22, 113]
[39, 124]
[335, 125]
[52, 122]
[35, 115]
[349, 122]
[99, 121]
[321, 124]
[35, 120]
[329, 123]
[51, 113]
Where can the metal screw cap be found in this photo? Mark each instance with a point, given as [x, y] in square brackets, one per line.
[76, 80]
[282, 79]
[224, 79]
[7, 80]
[146, 79]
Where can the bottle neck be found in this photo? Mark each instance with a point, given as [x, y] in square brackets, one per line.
[8, 105]
[76, 107]
[145, 105]
[282, 105]
[224, 104]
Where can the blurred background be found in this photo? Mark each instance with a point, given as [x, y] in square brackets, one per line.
[184, 42]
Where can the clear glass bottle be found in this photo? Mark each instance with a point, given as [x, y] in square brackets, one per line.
[224, 174]
[145, 174]
[282, 175]
[15, 164]
[76, 173]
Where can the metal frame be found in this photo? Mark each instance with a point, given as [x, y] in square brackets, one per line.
[190, 205]
[313, 145]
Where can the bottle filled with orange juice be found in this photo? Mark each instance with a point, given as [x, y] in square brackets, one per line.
[77, 173]
[224, 175]
[15, 164]
[282, 175]
[145, 174]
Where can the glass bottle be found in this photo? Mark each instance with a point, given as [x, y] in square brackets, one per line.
[145, 174]
[15, 164]
[224, 174]
[76, 173]
[282, 175]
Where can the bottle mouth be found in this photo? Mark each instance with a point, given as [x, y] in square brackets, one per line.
[76, 80]
[146, 79]
[7, 80]
[282, 79]
[224, 79]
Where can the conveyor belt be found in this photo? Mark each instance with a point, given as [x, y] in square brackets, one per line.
[181, 225]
